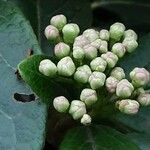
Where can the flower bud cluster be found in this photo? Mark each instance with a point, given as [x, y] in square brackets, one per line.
[91, 59]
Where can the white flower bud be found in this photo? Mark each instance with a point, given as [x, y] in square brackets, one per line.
[130, 34]
[88, 96]
[61, 50]
[98, 64]
[103, 48]
[97, 80]
[82, 74]
[118, 49]
[144, 99]
[110, 58]
[139, 77]
[96, 43]
[130, 44]
[80, 41]
[117, 31]
[124, 89]
[70, 32]
[118, 73]
[66, 66]
[58, 21]
[128, 106]
[111, 84]
[48, 68]
[91, 34]
[78, 53]
[86, 119]
[138, 91]
[51, 33]
[104, 35]
[77, 109]
[61, 104]
[90, 52]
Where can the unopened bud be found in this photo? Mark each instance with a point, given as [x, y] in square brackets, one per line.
[128, 106]
[144, 99]
[58, 21]
[98, 64]
[48, 68]
[88, 96]
[78, 53]
[52, 33]
[111, 84]
[124, 89]
[90, 52]
[130, 44]
[77, 109]
[97, 80]
[96, 43]
[117, 31]
[91, 34]
[61, 104]
[81, 41]
[86, 119]
[118, 73]
[66, 66]
[130, 34]
[61, 50]
[70, 32]
[103, 48]
[104, 35]
[118, 49]
[82, 74]
[139, 77]
[110, 58]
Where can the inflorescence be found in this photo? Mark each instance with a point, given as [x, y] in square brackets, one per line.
[91, 59]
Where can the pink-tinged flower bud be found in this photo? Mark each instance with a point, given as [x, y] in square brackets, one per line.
[110, 58]
[70, 32]
[103, 48]
[82, 74]
[90, 52]
[91, 34]
[61, 104]
[128, 106]
[97, 80]
[96, 43]
[111, 84]
[98, 64]
[52, 33]
[61, 50]
[80, 41]
[86, 119]
[66, 67]
[116, 31]
[139, 77]
[104, 35]
[118, 73]
[130, 44]
[77, 109]
[78, 53]
[48, 68]
[118, 49]
[130, 34]
[88, 96]
[144, 99]
[58, 21]
[124, 89]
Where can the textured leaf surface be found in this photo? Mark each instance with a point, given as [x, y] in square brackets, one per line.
[96, 138]
[22, 125]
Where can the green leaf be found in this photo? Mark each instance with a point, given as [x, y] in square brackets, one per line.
[96, 138]
[22, 125]
[45, 87]
[139, 58]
